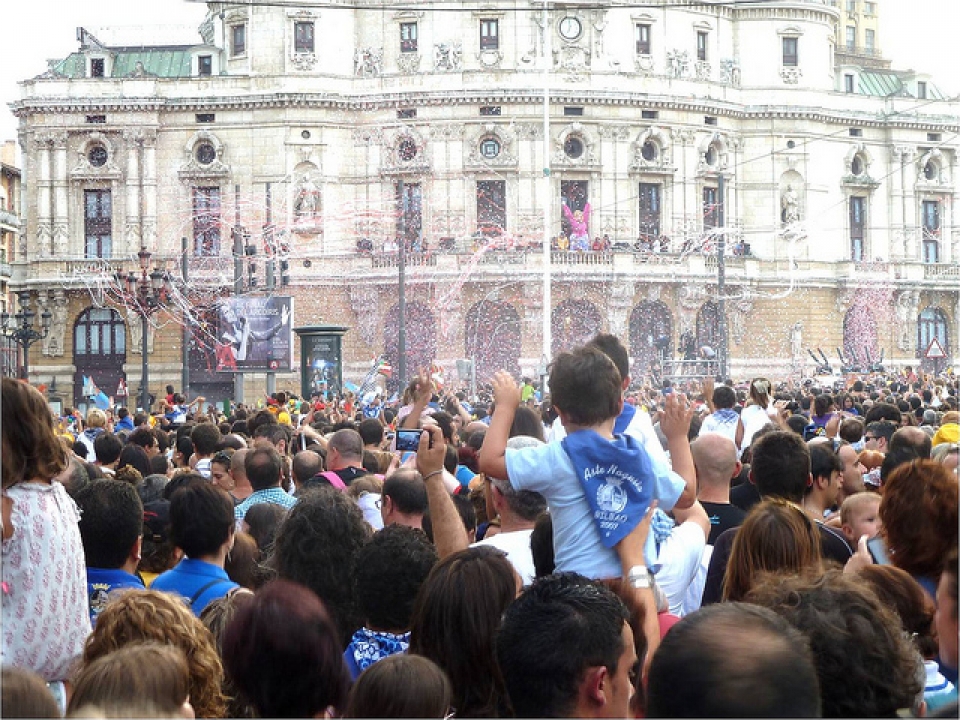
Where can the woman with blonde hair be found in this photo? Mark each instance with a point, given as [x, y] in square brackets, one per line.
[146, 677]
[776, 537]
[759, 410]
[138, 616]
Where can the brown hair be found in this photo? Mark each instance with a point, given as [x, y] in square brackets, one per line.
[400, 686]
[586, 386]
[871, 459]
[30, 446]
[898, 591]
[25, 695]
[919, 514]
[776, 537]
[138, 673]
[145, 615]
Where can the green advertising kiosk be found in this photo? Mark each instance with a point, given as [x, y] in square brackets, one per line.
[321, 360]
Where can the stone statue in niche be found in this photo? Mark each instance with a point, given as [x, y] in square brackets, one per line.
[790, 205]
[447, 56]
[306, 204]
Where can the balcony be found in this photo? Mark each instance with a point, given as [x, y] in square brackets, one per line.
[8, 219]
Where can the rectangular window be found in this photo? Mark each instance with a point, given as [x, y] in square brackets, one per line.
[97, 67]
[934, 137]
[709, 120]
[701, 46]
[97, 224]
[649, 114]
[851, 6]
[489, 110]
[238, 39]
[848, 83]
[869, 40]
[790, 58]
[205, 65]
[711, 208]
[643, 38]
[489, 34]
[921, 90]
[851, 37]
[408, 37]
[97, 119]
[857, 205]
[303, 37]
[206, 117]
[410, 220]
[206, 221]
[649, 213]
[406, 113]
[573, 111]
[491, 207]
[930, 212]
[856, 132]
[869, 9]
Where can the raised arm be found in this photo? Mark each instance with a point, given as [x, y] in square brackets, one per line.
[675, 424]
[506, 396]
[421, 399]
[449, 533]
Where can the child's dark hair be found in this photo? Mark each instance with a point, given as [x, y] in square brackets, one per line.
[586, 386]
[724, 397]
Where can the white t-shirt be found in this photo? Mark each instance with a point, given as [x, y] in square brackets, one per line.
[753, 418]
[516, 545]
[679, 561]
[548, 470]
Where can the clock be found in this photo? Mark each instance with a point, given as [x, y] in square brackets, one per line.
[570, 28]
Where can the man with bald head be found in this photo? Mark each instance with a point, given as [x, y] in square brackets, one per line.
[715, 458]
[344, 458]
[242, 488]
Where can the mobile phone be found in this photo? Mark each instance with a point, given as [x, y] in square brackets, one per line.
[408, 440]
[878, 550]
[809, 432]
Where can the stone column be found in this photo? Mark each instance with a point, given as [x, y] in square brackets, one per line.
[911, 231]
[895, 213]
[44, 196]
[61, 209]
[132, 227]
[148, 192]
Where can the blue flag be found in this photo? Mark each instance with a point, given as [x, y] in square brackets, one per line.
[617, 478]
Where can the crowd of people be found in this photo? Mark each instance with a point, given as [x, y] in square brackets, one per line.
[605, 550]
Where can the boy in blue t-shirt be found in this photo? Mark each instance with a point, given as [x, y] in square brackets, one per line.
[598, 485]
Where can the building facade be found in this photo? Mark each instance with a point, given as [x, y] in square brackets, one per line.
[300, 148]
[9, 231]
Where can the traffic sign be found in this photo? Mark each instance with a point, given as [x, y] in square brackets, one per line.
[934, 350]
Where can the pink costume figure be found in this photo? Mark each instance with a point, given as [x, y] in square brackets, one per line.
[579, 221]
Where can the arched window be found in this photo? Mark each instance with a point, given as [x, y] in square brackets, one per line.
[574, 323]
[932, 323]
[99, 352]
[492, 338]
[708, 326]
[651, 336]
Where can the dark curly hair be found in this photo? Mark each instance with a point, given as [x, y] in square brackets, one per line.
[919, 514]
[898, 590]
[390, 569]
[866, 665]
[316, 547]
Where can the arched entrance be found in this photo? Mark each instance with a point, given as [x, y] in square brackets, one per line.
[492, 338]
[860, 345]
[99, 352]
[421, 341]
[573, 323]
[708, 326]
[651, 335]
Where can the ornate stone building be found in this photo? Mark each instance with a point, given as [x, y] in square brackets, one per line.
[321, 137]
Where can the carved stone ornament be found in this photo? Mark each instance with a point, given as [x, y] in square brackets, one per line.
[405, 152]
[368, 136]
[574, 61]
[907, 308]
[53, 343]
[136, 333]
[448, 57]
[365, 301]
[742, 308]
[85, 170]
[730, 72]
[506, 157]
[703, 70]
[678, 63]
[192, 169]
[304, 61]
[657, 140]
[368, 62]
[408, 63]
[645, 64]
[791, 75]
[490, 59]
[588, 155]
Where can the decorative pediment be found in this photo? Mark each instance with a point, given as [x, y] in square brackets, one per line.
[203, 158]
[490, 146]
[933, 174]
[96, 159]
[575, 147]
[857, 167]
[714, 153]
[652, 152]
[405, 151]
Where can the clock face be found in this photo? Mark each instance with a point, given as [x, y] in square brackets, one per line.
[570, 28]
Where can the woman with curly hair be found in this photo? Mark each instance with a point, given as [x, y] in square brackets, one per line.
[920, 514]
[45, 617]
[148, 615]
[777, 536]
[455, 621]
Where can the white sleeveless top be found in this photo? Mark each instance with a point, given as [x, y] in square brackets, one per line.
[46, 619]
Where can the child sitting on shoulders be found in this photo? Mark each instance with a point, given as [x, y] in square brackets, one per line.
[598, 485]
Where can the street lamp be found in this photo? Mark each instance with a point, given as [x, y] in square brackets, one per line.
[21, 328]
[144, 294]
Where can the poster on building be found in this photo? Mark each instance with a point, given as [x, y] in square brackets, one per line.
[321, 369]
[255, 334]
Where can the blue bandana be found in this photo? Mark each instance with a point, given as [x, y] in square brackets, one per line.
[624, 419]
[617, 479]
[369, 646]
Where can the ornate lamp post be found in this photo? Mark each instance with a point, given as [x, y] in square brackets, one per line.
[21, 328]
[143, 292]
